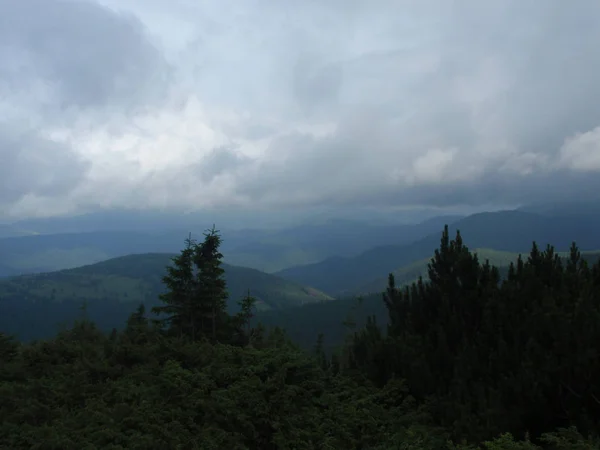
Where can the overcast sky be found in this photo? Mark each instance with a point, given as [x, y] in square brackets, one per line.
[189, 103]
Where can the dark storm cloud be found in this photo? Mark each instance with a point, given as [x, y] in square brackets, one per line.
[63, 61]
[501, 87]
[310, 103]
[87, 55]
[33, 165]
[219, 161]
[316, 85]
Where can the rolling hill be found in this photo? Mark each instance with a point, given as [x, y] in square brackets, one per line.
[34, 304]
[507, 231]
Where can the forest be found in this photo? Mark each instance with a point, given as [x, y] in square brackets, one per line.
[463, 358]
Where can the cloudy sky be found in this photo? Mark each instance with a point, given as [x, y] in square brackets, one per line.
[191, 104]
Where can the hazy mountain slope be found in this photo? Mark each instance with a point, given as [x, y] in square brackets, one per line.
[411, 272]
[6, 271]
[511, 231]
[29, 254]
[7, 231]
[267, 250]
[156, 220]
[307, 244]
[113, 289]
[582, 208]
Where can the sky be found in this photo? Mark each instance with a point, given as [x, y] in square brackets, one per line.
[193, 104]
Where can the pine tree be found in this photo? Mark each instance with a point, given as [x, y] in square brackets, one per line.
[211, 294]
[241, 321]
[196, 299]
[180, 284]
[246, 313]
[137, 325]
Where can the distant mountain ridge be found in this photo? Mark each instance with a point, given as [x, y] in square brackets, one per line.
[588, 207]
[266, 250]
[509, 231]
[411, 272]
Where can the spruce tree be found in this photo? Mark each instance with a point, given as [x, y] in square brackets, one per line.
[180, 284]
[246, 312]
[240, 328]
[211, 294]
[196, 299]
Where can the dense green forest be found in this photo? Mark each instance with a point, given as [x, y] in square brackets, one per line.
[464, 358]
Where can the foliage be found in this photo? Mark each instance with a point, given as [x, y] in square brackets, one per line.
[486, 356]
[467, 360]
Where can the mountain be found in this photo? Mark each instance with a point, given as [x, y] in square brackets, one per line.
[33, 305]
[157, 220]
[266, 250]
[153, 220]
[411, 272]
[304, 323]
[581, 208]
[509, 231]
[42, 253]
[7, 231]
[305, 244]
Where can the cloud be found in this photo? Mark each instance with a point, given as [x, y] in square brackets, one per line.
[66, 64]
[33, 165]
[187, 104]
[79, 54]
[582, 151]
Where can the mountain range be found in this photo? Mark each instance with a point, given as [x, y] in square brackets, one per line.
[263, 249]
[112, 272]
[507, 231]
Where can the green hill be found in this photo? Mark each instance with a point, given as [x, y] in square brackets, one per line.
[113, 289]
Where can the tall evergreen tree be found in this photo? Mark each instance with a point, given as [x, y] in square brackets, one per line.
[241, 321]
[180, 283]
[196, 299]
[211, 295]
